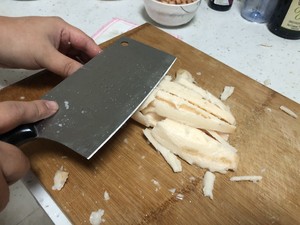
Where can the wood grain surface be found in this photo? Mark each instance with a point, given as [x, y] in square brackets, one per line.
[137, 178]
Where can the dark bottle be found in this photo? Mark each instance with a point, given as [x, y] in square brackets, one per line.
[220, 5]
[285, 21]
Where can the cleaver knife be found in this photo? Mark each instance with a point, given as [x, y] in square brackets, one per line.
[99, 98]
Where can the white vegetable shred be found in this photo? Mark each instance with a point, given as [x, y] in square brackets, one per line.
[208, 184]
[228, 90]
[96, 217]
[60, 179]
[288, 111]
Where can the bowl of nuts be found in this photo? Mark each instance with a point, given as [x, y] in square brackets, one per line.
[172, 12]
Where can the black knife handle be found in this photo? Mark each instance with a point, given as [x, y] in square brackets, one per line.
[19, 135]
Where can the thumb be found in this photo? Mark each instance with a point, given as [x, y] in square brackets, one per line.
[13, 113]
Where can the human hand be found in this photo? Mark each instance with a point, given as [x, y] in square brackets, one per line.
[13, 163]
[44, 42]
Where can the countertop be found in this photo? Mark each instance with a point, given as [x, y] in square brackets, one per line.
[247, 47]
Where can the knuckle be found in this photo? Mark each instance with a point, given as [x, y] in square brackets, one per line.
[69, 68]
[57, 19]
[36, 109]
[16, 109]
[39, 109]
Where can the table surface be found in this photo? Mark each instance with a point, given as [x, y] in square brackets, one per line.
[247, 47]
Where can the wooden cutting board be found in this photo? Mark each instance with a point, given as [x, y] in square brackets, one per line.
[137, 178]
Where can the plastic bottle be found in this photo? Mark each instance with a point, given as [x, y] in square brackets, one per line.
[285, 21]
[258, 11]
[220, 5]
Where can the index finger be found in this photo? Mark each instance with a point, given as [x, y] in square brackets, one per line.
[80, 41]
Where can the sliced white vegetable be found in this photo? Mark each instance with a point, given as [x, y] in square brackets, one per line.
[172, 190]
[96, 217]
[60, 179]
[184, 78]
[106, 196]
[196, 99]
[208, 184]
[157, 184]
[194, 146]
[227, 92]
[179, 196]
[148, 120]
[171, 159]
[221, 140]
[288, 111]
[189, 122]
[182, 111]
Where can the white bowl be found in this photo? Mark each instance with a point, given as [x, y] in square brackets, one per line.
[170, 14]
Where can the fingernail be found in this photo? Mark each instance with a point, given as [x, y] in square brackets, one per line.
[52, 105]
